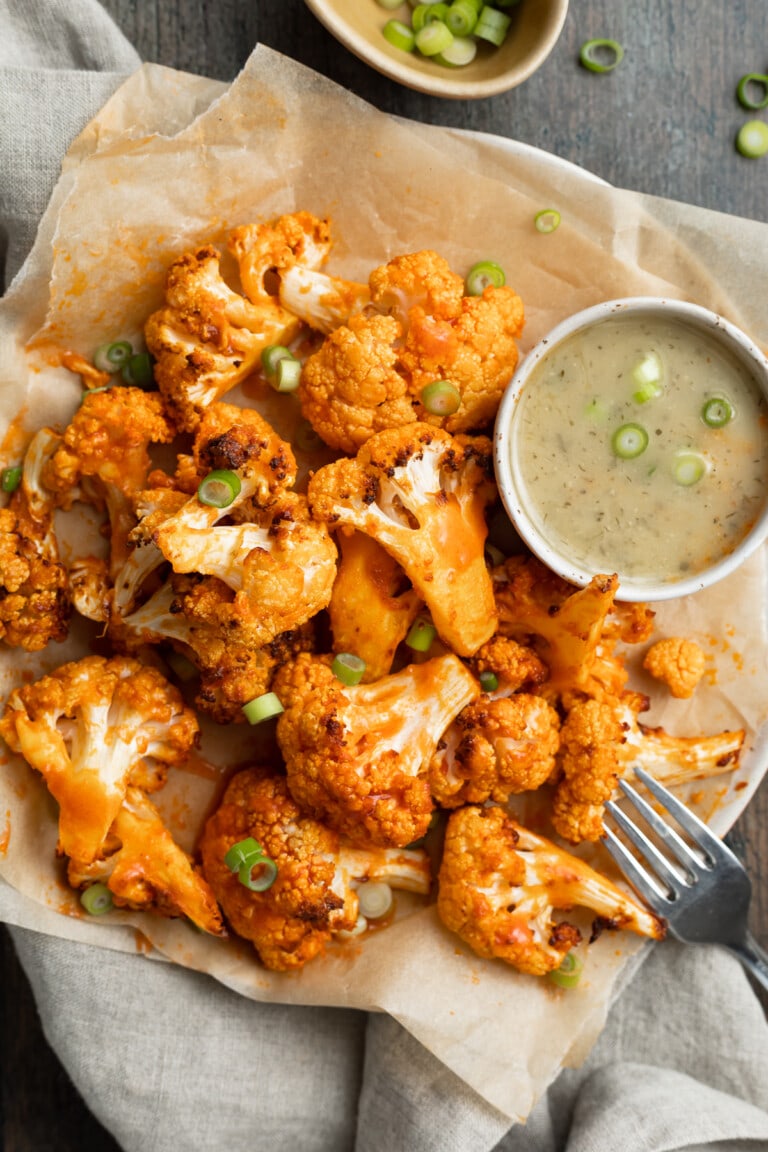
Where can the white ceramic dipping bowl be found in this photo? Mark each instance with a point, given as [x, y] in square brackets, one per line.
[557, 539]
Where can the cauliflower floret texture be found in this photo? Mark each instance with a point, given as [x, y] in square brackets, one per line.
[677, 662]
[500, 886]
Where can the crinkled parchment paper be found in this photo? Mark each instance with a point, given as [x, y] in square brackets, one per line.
[174, 161]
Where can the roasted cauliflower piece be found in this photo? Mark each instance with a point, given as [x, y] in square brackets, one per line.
[35, 603]
[357, 757]
[422, 495]
[600, 740]
[145, 869]
[515, 666]
[314, 894]
[372, 603]
[419, 327]
[500, 885]
[677, 662]
[495, 748]
[91, 728]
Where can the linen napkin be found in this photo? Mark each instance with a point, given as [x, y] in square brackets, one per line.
[167, 1058]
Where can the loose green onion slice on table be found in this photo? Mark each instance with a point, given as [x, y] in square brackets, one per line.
[492, 26]
[752, 139]
[433, 38]
[219, 489]
[629, 441]
[717, 412]
[399, 35]
[600, 54]
[547, 220]
[112, 357]
[489, 681]
[244, 852]
[137, 370]
[420, 635]
[348, 668]
[286, 375]
[10, 478]
[688, 468]
[484, 274]
[441, 398]
[753, 82]
[262, 708]
[568, 974]
[97, 899]
[375, 899]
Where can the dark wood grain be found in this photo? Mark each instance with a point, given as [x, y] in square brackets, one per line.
[663, 123]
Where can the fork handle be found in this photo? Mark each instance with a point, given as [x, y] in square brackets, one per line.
[752, 956]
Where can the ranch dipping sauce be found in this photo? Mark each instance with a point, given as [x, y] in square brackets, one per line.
[640, 446]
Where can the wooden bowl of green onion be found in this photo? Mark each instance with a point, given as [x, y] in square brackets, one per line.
[455, 49]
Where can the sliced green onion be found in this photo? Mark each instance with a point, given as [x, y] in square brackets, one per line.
[399, 35]
[181, 666]
[437, 11]
[492, 26]
[111, 357]
[264, 878]
[97, 899]
[568, 974]
[288, 375]
[461, 17]
[244, 852]
[420, 635]
[752, 80]
[348, 668]
[629, 441]
[271, 357]
[717, 412]
[546, 221]
[489, 681]
[647, 376]
[419, 16]
[441, 398]
[459, 53]
[688, 468]
[361, 926]
[752, 139]
[597, 410]
[600, 55]
[433, 38]
[306, 439]
[484, 274]
[219, 489]
[138, 370]
[262, 708]
[10, 478]
[375, 899]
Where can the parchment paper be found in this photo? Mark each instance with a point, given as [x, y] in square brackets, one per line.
[173, 161]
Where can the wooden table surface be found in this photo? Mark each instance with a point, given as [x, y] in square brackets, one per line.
[662, 123]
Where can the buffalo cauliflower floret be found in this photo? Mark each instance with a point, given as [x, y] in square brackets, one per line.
[372, 604]
[34, 598]
[357, 757]
[419, 328]
[500, 886]
[514, 665]
[422, 495]
[92, 728]
[601, 740]
[145, 869]
[677, 662]
[314, 894]
[495, 748]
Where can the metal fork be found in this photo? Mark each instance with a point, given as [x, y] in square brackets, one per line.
[702, 892]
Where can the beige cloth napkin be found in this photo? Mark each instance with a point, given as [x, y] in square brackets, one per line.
[168, 1059]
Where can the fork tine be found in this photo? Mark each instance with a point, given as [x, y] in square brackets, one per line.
[696, 829]
[654, 858]
[641, 881]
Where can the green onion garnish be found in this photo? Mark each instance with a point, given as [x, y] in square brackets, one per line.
[271, 357]
[600, 55]
[219, 489]
[597, 410]
[137, 370]
[97, 899]
[433, 38]
[420, 635]
[489, 681]
[547, 220]
[629, 441]
[399, 35]
[375, 899]
[745, 88]
[262, 708]
[461, 17]
[112, 357]
[441, 398]
[688, 468]
[646, 376]
[244, 852]
[264, 878]
[717, 412]
[492, 26]
[568, 974]
[752, 139]
[348, 668]
[484, 274]
[10, 478]
[460, 52]
[287, 376]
